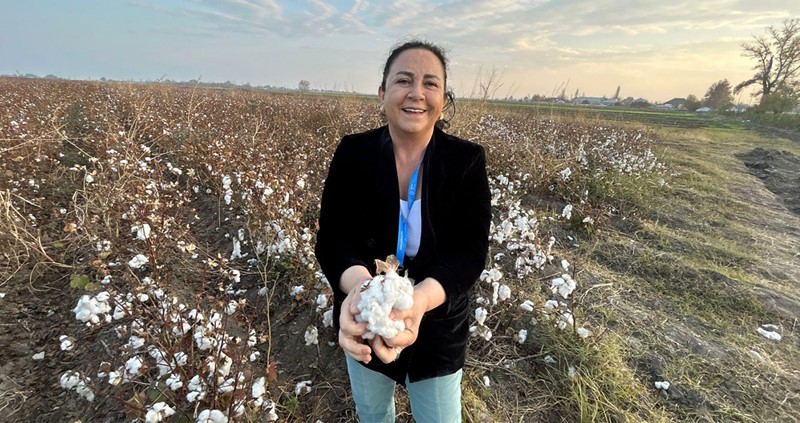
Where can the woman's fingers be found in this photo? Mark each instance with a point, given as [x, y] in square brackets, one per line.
[383, 351]
[355, 347]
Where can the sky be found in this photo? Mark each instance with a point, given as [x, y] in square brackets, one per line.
[656, 50]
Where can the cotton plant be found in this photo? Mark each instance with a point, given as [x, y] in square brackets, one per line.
[480, 328]
[143, 349]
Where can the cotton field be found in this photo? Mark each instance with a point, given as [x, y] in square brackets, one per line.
[179, 220]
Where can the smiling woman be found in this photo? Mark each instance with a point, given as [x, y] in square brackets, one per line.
[411, 190]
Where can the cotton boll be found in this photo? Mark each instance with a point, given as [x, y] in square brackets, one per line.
[303, 387]
[85, 391]
[504, 292]
[203, 342]
[311, 336]
[584, 333]
[565, 320]
[231, 307]
[226, 386]
[75, 380]
[486, 382]
[70, 379]
[527, 306]
[565, 174]
[181, 358]
[115, 377]
[662, 385]
[224, 364]
[138, 261]
[522, 335]
[142, 231]
[322, 301]
[382, 294]
[135, 342]
[269, 408]
[327, 318]
[259, 388]
[89, 309]
[132, 367]
[119, 312]
[563, 286]
[174, 382]
[38, 356]
[158, 412]
[297, 290]
[548, 359]
[482, 331]
[567, 212]
[480, 315]
[237, 249]
[195, 383]
[195, 396]
[211, 416]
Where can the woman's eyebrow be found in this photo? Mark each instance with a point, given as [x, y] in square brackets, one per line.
[411, 75]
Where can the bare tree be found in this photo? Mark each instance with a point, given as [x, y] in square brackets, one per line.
[486, 84]
[777, 57]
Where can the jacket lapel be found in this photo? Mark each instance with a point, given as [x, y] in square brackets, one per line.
[386, 186]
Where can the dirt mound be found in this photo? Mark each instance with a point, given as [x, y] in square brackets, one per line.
[780, 172]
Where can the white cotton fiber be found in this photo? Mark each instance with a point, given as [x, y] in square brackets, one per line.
[382, 294]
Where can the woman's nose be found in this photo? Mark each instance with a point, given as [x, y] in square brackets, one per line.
[416, 91]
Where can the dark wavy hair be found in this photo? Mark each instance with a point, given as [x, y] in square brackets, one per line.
[449, 104]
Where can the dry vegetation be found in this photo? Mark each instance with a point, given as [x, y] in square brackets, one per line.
[219, 191]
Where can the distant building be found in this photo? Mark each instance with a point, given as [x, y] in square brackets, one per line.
[677, 103]
[739, 108]
[703, 110]
[594, 101]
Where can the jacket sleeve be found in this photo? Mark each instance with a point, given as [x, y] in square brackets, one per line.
[334, 250]
[465, 242]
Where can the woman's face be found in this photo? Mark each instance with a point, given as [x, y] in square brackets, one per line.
[414, 94]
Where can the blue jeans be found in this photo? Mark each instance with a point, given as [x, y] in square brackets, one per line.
[432, 400]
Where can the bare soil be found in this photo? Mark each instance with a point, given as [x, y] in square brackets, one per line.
[780, 172]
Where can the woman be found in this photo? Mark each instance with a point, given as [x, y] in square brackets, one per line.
[441, 239]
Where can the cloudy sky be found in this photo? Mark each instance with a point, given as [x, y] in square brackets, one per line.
[654, 49]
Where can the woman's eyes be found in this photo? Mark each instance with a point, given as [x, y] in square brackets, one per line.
[430, 84]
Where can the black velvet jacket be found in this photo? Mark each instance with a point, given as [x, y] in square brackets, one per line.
[358, 224]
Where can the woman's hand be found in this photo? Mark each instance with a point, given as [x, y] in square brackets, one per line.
[383, 351]
[350, 331]
[428, 295]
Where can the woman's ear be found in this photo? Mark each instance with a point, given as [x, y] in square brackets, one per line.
[381, 92]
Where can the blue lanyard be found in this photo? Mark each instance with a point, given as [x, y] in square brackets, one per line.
[402, 230]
